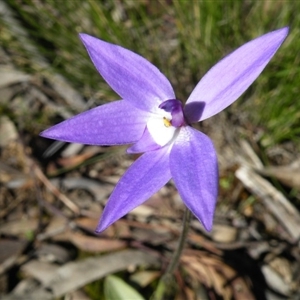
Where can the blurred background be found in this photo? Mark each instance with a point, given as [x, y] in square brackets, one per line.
[52, 194]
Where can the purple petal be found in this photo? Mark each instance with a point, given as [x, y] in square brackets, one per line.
[194, 168]
[146, 176]
[110, 124]
[144, 144]
[131, 76]
[230, 77]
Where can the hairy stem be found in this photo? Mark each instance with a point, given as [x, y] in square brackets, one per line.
[166, 279]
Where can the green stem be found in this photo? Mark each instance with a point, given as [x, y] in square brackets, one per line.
[166, 279]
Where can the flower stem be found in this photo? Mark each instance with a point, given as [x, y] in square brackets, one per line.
[166, 280]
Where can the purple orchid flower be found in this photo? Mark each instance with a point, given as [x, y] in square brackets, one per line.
[151, 118]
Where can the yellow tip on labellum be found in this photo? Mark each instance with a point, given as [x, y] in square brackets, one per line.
[167, 122]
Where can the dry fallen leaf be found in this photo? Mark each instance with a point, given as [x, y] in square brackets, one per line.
[224, 233]
[12, 76]
[9, 252]
[213, 273]
[144, 278]
[95, 244]
[286, 213]
[75, 275]
[21, 228]
[288, 175]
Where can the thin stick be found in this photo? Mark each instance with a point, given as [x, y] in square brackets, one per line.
[166, 279]
[63, 198]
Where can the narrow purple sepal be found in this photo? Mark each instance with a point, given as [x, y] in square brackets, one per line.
[131, 76]
[231, 76]
[146, 176]
[110, 124]
[194, 168]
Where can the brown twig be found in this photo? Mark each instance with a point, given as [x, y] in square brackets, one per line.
[63, 198]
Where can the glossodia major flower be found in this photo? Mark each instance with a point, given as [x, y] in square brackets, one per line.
[151, 118]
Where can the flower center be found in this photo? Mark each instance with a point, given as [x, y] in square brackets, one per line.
[174, 107]
[164, 125]
[167, 122]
